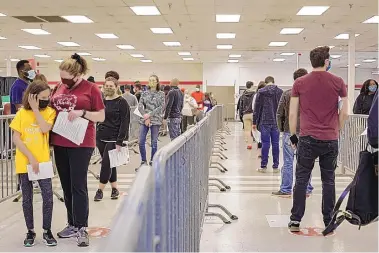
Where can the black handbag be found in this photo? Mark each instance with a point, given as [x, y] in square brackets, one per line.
[362, 204]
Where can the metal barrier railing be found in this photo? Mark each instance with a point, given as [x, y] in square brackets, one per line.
[177, 204]
[351, 142]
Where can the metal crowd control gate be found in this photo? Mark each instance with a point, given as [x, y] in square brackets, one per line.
[171, 198]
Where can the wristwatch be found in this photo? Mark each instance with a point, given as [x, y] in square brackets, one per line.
[84, 113]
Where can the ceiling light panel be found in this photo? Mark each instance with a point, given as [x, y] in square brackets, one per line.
[166, 30]
[36, 31]
[278, 44]
[84, 54]
[356, 65]
[98, 59]
[344, 36]
[106, 35]
[2, 38]
[29, 47]
[235, 56]
[145, 10]
[225, 35]
[221, 18]
[312, 10]
[287, 54]
[172, 44]
[188, 59]
[137, 55]
[68, 44]
[224, 46]
[15, 60]
[335, 56]
[233, 61]
[78, 19]
[146, 61]
[372, 20]
[184, 53]
[42, 56]
[291, 31]
[369, 60]
[59, 60]
[278, 60]
[125, 47]
[2, 15]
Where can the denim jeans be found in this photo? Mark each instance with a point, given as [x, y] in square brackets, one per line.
[154, 140]
[174, 127]
[308, 151]
[287, 169]
[270, 135]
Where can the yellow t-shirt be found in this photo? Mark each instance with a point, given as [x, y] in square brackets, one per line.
[38, 143]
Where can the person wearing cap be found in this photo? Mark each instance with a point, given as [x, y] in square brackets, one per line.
[199, 97]
[129, 97]
[91, 79]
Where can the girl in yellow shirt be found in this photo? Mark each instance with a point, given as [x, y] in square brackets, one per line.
[31, 127]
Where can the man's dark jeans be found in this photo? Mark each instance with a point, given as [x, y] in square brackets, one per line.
[308, 150]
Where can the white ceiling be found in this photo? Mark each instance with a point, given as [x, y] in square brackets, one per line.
[194, 26]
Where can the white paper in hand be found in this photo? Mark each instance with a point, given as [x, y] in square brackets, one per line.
[137, 112]
[117, 158]
[45, 171]
[364, 132]
[257, 135]
[71, 130]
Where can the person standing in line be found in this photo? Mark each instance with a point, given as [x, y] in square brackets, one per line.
[364, 101]
[137, 89]
[317, 95]
[129, 97]
[189, 110]
[282, 118]
[207, 103]
[239, 110]
[173, 111]
[372, 129]
[261, 85]
[79, 98]
[247, 112]
[31, 127]
[264, 119]
[198, 95]
[25, 76]
[111, 134]
[151, 107]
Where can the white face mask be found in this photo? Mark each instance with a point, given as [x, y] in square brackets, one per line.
[197, 89]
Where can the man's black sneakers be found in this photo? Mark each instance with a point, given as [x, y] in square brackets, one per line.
[29, 240]
[294, 226]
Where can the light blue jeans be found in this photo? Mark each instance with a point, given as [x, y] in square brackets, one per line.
[287, 169]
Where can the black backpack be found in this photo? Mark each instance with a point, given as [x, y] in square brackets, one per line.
[362, 204]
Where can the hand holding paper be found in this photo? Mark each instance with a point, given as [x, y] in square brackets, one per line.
[118, 158]
[72, 130]
[45, 171]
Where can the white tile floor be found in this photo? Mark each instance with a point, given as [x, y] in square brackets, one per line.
[262, 217]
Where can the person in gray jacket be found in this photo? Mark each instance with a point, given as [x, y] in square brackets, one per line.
[282, 118]
[129, 97]
[174, 108]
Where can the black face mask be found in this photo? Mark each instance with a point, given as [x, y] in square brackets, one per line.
[68, 82]
[43, 103]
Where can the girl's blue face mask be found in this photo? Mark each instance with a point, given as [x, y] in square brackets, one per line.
[372, 88]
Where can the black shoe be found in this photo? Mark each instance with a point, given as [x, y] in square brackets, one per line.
[142, 164]
[150, 163]
[294, 226]
[29, 240]
[279, 193]
[115, 193]
[99, 195]
[49, 239]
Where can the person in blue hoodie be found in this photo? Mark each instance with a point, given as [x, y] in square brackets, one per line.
[264, 119]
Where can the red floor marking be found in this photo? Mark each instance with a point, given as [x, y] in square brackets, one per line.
[285, 196]
[98, 232]
[311, 232]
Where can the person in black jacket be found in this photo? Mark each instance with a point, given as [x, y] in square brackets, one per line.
[246, 108]
[173, 112]
[363, 102]
[111, 134]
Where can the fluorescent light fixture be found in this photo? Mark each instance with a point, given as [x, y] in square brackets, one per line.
[291, 30]
[278, 60]
[372, 20]
[84, 54]
[356, 65]
[42, 56]
[224, 46]
[98, 59]
[228, 18]
[106, 35]
[2, 38]
[287, 54]
[335, 56]
[15, 59]
[161, 30]
[68, 44]
[36, 31]
[30, 47]
[145, 10]
[188, 59]
[235, 56]
[2, 15]
[278, 44]
[184, 53]
[60, 60]
[369, 60]
[328, 46]
[344, 36]
[125, 47]
[172, 44]
[78, 19]
[312, 10]
[225, 35]
[147, 61]
[137, 55]
[233, 61]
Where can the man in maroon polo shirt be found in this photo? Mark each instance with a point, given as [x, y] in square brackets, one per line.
[317, 96]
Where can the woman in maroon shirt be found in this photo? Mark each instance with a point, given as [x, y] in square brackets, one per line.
[81, 99]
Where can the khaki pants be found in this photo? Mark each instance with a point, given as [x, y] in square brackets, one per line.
[247, 123]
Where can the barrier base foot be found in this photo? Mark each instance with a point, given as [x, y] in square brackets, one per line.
[222, 189]
[232, 216]
[221, 182]
[220, 216]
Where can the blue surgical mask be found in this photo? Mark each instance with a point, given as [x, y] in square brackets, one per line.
[31, 74]
[372, 88]
[330, 65]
